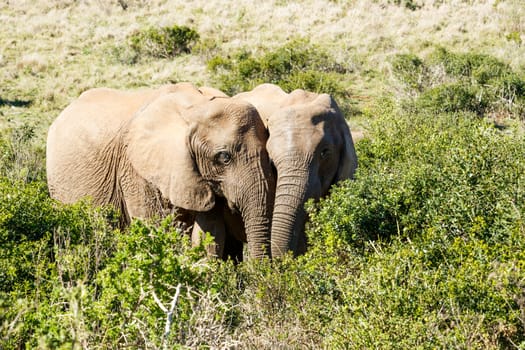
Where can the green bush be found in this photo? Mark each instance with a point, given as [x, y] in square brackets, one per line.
[79, 283]
[164, 42]
[424, 161]
[410, 70]
[452, 82]
[409, 4]
[452, 97]
[151, 267]
[43, 247]
[21, 157]
[296, 65]
[436, 214]
[480, 67]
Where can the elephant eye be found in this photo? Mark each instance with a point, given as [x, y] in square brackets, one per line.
[223, 157]
[324, 153]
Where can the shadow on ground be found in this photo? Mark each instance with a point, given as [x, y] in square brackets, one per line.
[14, 103]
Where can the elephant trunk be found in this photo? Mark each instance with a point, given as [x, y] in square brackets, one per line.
[256, 209]
[289, 215]
[257, 225]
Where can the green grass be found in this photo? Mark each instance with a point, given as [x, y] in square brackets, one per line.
[424, 249]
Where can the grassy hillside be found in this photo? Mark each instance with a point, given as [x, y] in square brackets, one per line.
[424, 249]
[51, 52]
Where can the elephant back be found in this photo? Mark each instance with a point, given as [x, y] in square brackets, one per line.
[80, 136]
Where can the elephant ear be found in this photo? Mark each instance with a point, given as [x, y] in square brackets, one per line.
[158, 150]
[348, 157]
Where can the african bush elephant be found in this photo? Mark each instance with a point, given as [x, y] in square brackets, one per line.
[150, 152]
[311, 148]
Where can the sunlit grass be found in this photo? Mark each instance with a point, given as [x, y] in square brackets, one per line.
[422, 250]
[52, 51]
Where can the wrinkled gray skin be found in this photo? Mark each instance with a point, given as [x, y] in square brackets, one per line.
[151, 152]
[311, 148]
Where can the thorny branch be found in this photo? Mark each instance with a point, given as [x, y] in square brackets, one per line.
[169, 313]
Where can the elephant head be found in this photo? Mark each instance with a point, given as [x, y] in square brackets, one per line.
[311, 148]
[178, 149]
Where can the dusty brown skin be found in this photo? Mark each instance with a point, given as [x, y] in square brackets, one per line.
[153, 151]
[311, 147]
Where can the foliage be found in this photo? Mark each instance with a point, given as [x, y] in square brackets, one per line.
[452, 97]
[436, 213]
[69, 288]
[44, 247]
[410, 69]
[296, 65]
[21, 157]
[163, 42]
[153, 267]
[417, 164]
[409, 4]
[453, 82]
[424, 249]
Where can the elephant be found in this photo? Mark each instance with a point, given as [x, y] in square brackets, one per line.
[172, 149]
[311, 148]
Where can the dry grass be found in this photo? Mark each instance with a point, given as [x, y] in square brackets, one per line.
[65, 45]
[52, 51]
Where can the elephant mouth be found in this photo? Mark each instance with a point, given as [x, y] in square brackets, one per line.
[217, 189]
[233, 207]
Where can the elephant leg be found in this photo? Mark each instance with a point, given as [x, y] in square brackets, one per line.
[212, 222]
[233, 249]
[235, 235]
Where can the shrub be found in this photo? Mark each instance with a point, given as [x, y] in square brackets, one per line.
[28, 219]
[435, 212]
[480, 67]
[21, 158]
[152, 267]
[44, 246]
[418, 163]
[287, 303]
[296, 65]
[164, 42]
[452, 97]
[409, 4]
[451, 82]
[70, 280]
[410, 70]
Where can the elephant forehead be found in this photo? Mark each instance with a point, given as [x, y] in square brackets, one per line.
[300, 138]
[303, 132]
[301, 115]
[228, 106]
[297, 122]
[228, 119]
[226, 134]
